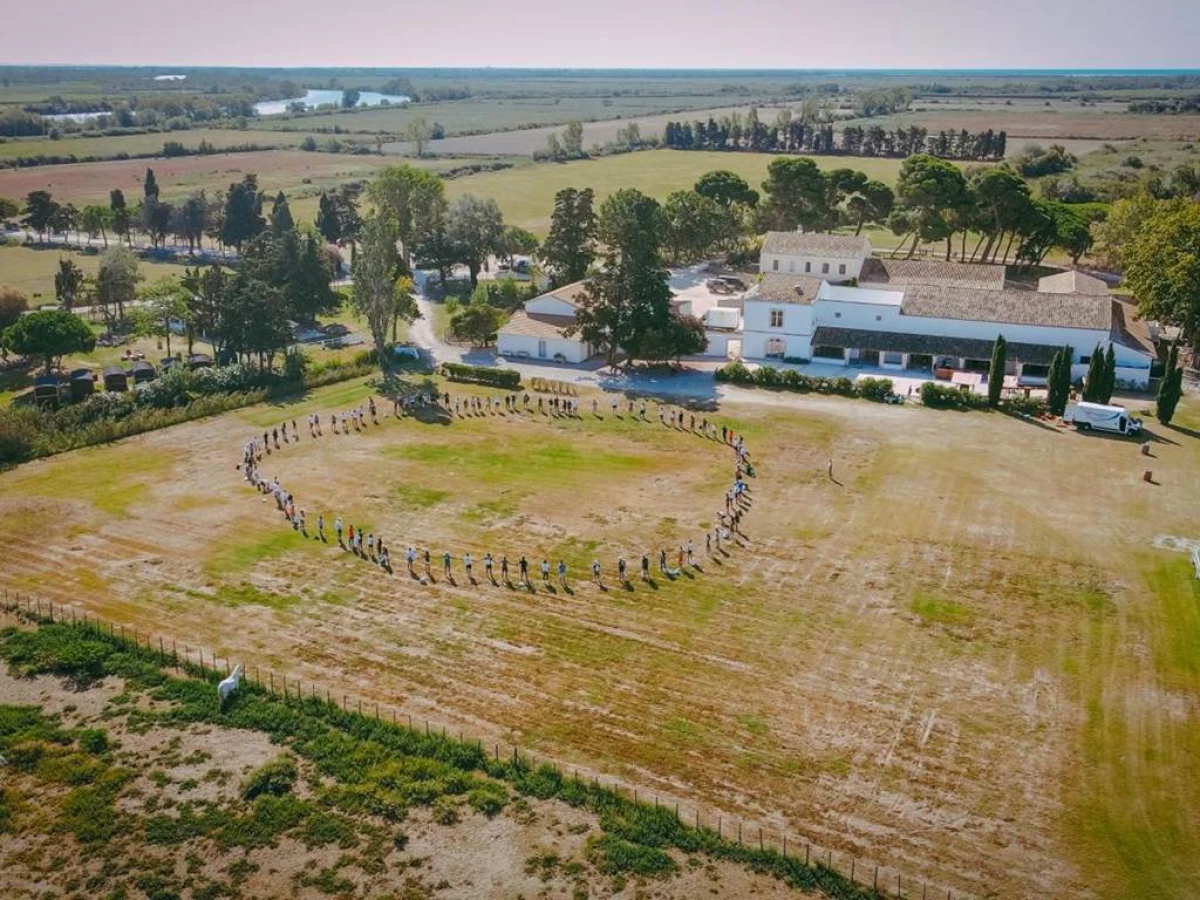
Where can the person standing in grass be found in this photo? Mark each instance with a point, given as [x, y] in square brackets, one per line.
[523, 565]
[487, 567]
[562, 574]
[446, 564]
[645, 567]
[504, 568]
[622, 570]
[428, 574]
[662, 560]
[545, 571]
[596, 573]
[411, 557]
[689, 551]
[468, 565]
[708, 543]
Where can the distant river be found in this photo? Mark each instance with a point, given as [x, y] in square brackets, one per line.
[313, 99]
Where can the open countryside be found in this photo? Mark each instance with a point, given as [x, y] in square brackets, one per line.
[600, 484]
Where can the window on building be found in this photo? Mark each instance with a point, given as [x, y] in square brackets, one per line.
[824, 268]
[879, 318]
[777, 318]
[808, 267]
[841, 268]
[774, 265]
[892, 359]
[837, 315]
[1084, 360]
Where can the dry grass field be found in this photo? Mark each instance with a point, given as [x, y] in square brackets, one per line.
[969, 658]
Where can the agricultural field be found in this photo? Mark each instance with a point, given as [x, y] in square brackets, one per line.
[31, 271]
[526, 193]
[526, 141]
[299, 174]
[493, 114]
[1049, 125]
[112, 146]
[941, 660]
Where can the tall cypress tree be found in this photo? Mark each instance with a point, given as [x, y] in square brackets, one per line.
[1059, 381]
[1093, 387]
[1171, 388]
[1110, 373]
[996, 372]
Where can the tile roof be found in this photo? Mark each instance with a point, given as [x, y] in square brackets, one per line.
[776, 287]
[537, 325]
[1008, 306]
[568, 293]
[801, 243]
[1072, 282]
[929, 344]
[1130, 331]
[932, 271]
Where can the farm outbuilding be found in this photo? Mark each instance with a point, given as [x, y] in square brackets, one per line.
[116, 379]
[539, 329]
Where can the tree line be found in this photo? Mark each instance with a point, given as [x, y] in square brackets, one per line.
[800, 135]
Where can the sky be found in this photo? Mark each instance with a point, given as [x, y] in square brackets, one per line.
[779, 34]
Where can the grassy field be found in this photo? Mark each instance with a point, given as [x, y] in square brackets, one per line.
[943, 662]
[110, 147]
[526, 194]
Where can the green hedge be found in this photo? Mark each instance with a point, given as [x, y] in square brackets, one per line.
[177, 396]
[509, 379]
[944, 396]
[791, 380]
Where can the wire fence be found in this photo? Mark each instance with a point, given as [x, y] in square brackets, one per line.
[882, 880]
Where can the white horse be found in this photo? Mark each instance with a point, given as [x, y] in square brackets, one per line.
[228, 685]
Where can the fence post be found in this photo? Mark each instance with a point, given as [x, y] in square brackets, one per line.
[739, 834]
[876, 883]
[785, 846]
[162, 652]
[807, 848]
[760, 838]
[272, 676]
[897, 884]
[718, 826]
[852, 862]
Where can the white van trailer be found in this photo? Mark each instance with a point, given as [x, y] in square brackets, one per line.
[1101, 417]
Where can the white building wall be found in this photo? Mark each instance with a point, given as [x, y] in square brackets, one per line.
[515, 344]
[796, 332]
[795, 265]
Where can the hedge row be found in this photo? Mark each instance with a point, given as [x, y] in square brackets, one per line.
[789, 379]
[177, 396]
[509, 379]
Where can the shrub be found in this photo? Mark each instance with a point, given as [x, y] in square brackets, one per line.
[735, 373]
[275, 778]
[509, 379]
[942, 396]
[93, 740]
[1025, 406]
[489, 798]
[445, 811]
[874, 388]
[613, 856]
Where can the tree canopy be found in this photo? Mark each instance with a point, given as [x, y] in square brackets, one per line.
[1162, 267]
[49, 334]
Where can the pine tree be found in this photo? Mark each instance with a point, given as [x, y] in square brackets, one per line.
[1170, 390]
[996, 372]
[328, 222]
[1093, 387]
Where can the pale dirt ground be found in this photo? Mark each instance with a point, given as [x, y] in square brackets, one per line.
[792, 685]
[475, 858]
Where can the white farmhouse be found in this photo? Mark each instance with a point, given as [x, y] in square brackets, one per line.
[538, 329]
[833, 257]
[941, 316]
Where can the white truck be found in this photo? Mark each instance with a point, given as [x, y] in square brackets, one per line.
[1101, 417]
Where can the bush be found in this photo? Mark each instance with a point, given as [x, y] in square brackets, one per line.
[93, 740]
[734, 373]
[509, 379]
[942, 396]
[1025, 406]
[874, 388]
[489, 798]
[275, 778]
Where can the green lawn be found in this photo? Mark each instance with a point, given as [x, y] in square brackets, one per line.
[32, 271]
[526, 194]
